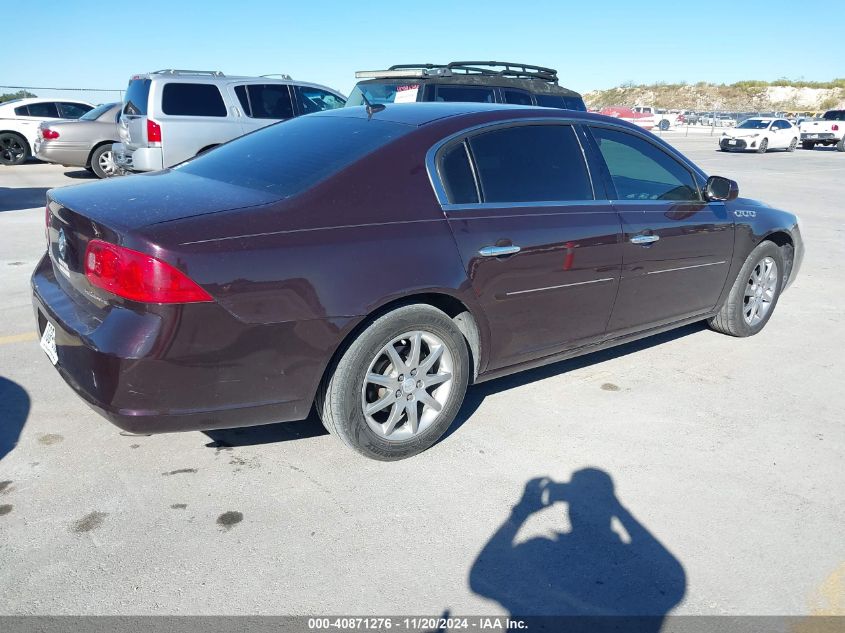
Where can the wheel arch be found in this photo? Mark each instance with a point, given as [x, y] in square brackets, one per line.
[449, 304]
[206, 148]
[95, 148]
[783, 240]
[22, 135]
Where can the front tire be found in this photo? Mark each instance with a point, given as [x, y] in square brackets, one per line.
[754, 295]
[14, 149]
[399, 385]
[102, 162]
[763, 147]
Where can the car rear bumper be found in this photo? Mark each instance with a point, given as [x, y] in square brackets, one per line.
[818, 136]
[150, 373]
[140, 159]
[69, 154]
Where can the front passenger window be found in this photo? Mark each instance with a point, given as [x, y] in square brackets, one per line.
[641, 170]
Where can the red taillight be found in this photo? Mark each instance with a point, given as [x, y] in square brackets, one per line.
[834, 127]
[49, 134]
[138, 277]
[153, 132]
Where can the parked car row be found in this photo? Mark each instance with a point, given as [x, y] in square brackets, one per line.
[169, 116]
[761, 134]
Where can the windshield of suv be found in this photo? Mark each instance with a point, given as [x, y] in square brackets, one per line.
[135, 101]
[753, 124]
[96, 113]
[834, 115]
[388, 92]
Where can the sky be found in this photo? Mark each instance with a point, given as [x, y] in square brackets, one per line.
[592, 44]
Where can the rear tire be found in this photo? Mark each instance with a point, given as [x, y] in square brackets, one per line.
[381, 367]
[840, 146]
[663, 125]
[14, 149]
[792, 145]
[807, 145]
[102, 162]
[754, 295]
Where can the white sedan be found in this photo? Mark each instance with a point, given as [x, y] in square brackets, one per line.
[760, 135]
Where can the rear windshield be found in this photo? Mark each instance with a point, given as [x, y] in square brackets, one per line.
[135, 101]
[96, 113]
[386, 92]
[289, 157]
[834, 115]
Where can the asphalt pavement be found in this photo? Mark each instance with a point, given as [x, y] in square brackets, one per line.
[703, 473]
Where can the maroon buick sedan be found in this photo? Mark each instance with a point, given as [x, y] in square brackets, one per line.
[375, 263]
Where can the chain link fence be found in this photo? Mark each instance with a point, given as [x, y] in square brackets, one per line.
[94, 96]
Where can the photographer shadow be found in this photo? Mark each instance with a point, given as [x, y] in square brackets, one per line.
[607, 572]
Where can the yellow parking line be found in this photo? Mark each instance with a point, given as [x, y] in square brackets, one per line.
[18, 338]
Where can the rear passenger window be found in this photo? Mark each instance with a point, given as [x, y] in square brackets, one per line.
[22, 111]
[456, 175]
[266, 101]
[531, 163]
[192, 100]
[642, 171]
[470, 94]
[316, 100]
[517, 97]
[73, 110]
[47, 110]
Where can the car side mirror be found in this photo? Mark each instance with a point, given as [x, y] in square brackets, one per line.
[719, 189]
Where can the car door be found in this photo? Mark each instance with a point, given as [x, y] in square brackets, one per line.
[263, 104]
[676, 247]
[542, 254]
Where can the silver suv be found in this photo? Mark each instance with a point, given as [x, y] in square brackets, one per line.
[172, 115]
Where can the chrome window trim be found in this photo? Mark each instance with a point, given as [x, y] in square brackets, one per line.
[482, 206]
[440, 191]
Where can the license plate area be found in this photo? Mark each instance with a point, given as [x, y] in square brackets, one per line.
[48, 342]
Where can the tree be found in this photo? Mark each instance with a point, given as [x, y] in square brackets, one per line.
[20, 94]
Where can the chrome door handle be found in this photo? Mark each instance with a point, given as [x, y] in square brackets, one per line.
[644, 240]
[498, 251]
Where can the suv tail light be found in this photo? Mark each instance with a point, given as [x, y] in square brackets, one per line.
[153, 132]
[138, 277]
[49, 134]
[834, 127]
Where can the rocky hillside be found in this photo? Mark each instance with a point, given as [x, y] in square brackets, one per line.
[741, 96]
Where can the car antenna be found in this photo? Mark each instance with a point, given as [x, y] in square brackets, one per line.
[372, 109]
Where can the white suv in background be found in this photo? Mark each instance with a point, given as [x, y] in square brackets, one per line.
[19, 121]
[172, 115]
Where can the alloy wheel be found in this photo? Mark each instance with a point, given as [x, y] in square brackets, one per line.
[11, 149]
[106, 163]
[407, 385]
[760, 291]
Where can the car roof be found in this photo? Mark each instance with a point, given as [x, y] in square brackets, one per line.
[421, 113]
[19, 102]
[219, 78]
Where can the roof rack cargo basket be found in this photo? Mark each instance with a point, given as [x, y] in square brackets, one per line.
[500, 69]
[181, 71]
